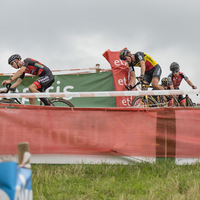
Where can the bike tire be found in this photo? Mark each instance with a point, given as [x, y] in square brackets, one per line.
[189, 102]
[60, 102]
[138, 101]
[7, 101]
[175, 101]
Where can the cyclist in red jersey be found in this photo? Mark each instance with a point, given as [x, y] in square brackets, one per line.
[175, 78]
[150, 69]
[33, 67]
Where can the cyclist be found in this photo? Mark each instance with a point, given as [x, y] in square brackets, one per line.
[150, 69]
[33, 67]
[175, 78]
[164, 84]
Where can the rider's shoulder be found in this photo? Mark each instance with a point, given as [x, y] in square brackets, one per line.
[170, 75]
[139, 53]
[27, 60]
[182, 74]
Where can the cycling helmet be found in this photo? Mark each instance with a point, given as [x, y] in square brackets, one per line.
[174, 66]
[13, 57]
[164, 81]
[123, 53]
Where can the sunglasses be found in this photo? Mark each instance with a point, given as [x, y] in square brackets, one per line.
[175, 71]
[125, 58]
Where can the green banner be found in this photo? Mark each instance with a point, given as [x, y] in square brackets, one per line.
[92, 82]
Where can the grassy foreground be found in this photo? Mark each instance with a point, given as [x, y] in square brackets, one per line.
[163, 180]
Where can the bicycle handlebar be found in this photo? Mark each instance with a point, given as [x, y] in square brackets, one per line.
[8, 86]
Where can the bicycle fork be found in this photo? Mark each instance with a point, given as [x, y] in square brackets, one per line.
[145, 102]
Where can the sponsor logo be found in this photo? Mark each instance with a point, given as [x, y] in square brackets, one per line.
[127, 102]
[56, 88]
[120, 62]
[140, 57]
[39, 65]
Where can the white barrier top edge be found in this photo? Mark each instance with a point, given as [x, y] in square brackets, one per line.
[99, 94]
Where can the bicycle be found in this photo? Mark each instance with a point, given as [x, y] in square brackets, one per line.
[188, 101]
[146, 100]
[58, 102]
[164, 100]
[152, 101]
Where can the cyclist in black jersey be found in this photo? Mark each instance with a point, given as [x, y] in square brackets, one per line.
[33, 67]
[150, 69]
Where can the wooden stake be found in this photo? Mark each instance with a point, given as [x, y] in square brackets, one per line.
[22, 148]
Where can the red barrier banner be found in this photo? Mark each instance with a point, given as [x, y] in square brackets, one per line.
[120, 71]
[163, 132]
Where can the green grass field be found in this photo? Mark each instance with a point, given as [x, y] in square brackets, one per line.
[161, 180]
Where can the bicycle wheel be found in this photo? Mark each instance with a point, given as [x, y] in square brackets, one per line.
[189, 102]
[164, 100]
[141, 102]
[60, 102]
[175, 101]
[9, 101]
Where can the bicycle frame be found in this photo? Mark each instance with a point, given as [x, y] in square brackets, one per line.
[146, 100]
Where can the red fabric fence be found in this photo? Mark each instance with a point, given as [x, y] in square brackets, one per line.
[164, 132]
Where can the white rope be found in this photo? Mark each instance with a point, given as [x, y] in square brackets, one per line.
[99, 94]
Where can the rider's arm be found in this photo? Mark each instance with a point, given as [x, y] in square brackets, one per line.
[132, 77]
[143, 67]
[14, 85]
[18, 73]
[17, 83]
[191, 84]
[15, 76]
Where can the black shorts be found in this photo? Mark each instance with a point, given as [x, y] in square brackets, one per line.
[154, 72]
[44, 82]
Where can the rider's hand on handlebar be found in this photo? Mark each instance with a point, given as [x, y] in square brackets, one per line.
[194, 87]
[141, 78]
[4, 91]
[6, 82]
[130, 87]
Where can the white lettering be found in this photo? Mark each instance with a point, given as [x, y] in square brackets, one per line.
[58, 87]
[122, 81]
[65, 90]
[120, 62]
[116, 62]
[127, 102]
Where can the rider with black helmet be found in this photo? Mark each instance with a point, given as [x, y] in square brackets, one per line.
[33, 67]
[164, 82]
[150, 69]
[175, 78]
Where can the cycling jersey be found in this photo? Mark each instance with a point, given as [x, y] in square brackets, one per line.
[139, 56]
[176, 81]
[36, 68]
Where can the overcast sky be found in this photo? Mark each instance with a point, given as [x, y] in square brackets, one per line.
[65, 34]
